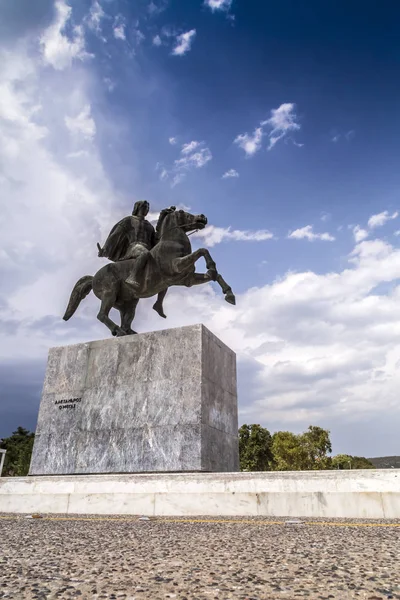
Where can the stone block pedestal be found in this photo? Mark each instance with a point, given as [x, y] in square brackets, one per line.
[154, 402]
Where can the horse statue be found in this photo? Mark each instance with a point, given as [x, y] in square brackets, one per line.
[170, 262]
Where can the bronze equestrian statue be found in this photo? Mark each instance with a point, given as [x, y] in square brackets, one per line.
[146, 263]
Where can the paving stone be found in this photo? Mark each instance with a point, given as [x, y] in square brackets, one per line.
[243, 559]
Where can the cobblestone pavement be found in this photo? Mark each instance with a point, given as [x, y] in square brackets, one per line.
[253, 559]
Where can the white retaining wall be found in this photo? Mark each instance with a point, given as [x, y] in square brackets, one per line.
[369, 494]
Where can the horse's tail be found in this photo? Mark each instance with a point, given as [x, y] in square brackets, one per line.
[82, 288]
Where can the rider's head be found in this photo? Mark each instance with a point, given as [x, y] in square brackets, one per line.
[141, 208]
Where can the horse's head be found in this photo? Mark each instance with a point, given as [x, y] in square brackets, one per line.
[185, 221]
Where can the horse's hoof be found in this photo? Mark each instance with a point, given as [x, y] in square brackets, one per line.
[159, 310]
[230, 298]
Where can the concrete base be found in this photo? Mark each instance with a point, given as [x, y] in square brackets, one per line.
[155, 402]
[341, 494]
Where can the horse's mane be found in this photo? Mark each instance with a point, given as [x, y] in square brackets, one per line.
[163, 214]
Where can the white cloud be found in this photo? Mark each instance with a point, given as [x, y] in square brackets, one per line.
[109, 83]
[218, 4]
[152, 8]
[282, 120]
[230, 173]
[56, 199]
[178, 178]
[196, 159]
[155, 9]
[308, 234]
[190, 146]
[397, 232]
[348, 136]
[83, 124]
[139, 36]
[212, 235]
[78, 154]
[96, 15]
[184, 43]
[359, 233]
[119, 32]
[57, 48]
[164, 174]
[119, 28]
[378, 220]
[250, 143]
[193, 155]
[153, 217]
[381, 219]
[157, 40]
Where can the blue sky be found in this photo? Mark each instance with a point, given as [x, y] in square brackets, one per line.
[279, 122]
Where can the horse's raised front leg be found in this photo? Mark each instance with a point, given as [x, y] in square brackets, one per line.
[107, 302]
[198, 279]
[227, 290]
[181, 264]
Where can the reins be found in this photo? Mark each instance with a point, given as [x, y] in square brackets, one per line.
[177, 227]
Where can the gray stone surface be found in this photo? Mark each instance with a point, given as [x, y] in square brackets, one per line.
[124, 558]
[159, 401]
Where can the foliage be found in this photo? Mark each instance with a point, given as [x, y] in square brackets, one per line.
[19, 449]
[288, 451]
[255, 448]
[317, 442]
[284, 451]
[302, 452]
[341, 461]
[346, 461]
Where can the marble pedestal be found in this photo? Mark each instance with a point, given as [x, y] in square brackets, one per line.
[163, 401]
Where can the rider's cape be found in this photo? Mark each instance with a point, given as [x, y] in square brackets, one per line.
[124, 234]
[118, 240]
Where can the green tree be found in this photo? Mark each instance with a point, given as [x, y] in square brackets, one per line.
[346, 461]
[318, 444]
[289, 453]
[255, 448]
[360, 462]
[303, 452]
[341, 461]
[19, 450]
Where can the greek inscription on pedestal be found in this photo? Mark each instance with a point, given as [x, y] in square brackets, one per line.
[67, 403]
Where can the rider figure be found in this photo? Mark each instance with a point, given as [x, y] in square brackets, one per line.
[132, 238]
